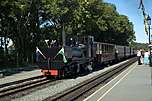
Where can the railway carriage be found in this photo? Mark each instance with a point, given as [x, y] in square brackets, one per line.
[105, 52]
[133, 51]
[120, 52]
[127, 51]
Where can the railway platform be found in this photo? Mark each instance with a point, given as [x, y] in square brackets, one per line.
[134, 84]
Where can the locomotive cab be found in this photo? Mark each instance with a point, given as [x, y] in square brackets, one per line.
[53, 63]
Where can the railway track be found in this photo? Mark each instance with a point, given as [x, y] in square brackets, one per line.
[21, 85]
[19, 81]
[80, 89]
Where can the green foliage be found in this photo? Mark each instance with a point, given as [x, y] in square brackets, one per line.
[141, 46]
[90, 17]
[20, 21]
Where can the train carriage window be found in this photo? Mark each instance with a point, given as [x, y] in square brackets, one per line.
[108, 48]
[98, 48]
[103, 48]
[112, 48]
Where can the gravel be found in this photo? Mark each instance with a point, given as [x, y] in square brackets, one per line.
[42, 94]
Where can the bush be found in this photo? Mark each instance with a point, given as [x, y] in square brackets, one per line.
[7, 60]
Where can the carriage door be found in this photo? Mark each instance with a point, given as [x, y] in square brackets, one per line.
[90, 46]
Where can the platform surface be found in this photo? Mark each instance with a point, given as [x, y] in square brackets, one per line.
[134, 84]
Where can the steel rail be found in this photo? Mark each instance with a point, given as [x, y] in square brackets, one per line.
[19, 81]
[23, 86]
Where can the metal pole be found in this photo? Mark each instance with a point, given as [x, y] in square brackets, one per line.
[149, 46]
[150, 64]
[149, 33]
[150, 60]
[63, 35]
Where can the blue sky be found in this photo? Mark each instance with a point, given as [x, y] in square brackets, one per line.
[130, 9]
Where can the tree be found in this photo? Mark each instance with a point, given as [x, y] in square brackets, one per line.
[29, 22]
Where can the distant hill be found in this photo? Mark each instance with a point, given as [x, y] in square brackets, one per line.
[141, 46]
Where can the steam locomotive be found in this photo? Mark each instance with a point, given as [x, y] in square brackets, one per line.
[81, 54]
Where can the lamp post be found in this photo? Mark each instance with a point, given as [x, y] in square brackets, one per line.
[150, 57]
[149, 23]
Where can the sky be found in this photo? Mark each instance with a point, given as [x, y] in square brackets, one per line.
[130, 9]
